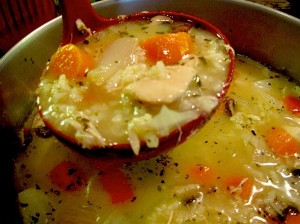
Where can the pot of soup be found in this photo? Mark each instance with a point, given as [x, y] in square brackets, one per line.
[242, 167]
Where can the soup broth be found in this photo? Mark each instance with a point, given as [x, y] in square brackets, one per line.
[241, 167]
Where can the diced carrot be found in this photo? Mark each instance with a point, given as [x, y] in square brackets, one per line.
[168, 48]
[71, 61]
[271, 221]
[293, 104]
[243, 186]
[68, 176]
[202, 175]
[281, 142]
[116, 184]
[292, 219]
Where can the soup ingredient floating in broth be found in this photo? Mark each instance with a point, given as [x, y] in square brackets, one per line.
[134, 83]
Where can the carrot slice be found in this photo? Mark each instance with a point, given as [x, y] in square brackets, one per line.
[116, 184]
[292, 219]
[168, 48]
[68, 176]
[281, 142]
[293, 104]
[71, 61]
[202, 175]
[240, 185]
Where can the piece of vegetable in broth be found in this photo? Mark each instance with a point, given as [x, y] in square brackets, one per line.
[68, 176]
[202, 175]
[281, 142]
[293, 104]
[70, 61]
[116, 184]
[35, 206]
[169, 48]
[292, 219]
[242, 186]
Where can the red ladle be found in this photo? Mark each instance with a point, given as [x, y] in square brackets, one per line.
[82, 9]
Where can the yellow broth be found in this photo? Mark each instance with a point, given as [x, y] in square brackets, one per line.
[175, 187]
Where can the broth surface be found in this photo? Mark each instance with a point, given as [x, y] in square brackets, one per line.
[232, 171]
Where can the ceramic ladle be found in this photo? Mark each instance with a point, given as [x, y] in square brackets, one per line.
[75, 9]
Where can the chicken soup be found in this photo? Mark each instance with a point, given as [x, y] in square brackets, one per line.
[241, 167]
[144, 79]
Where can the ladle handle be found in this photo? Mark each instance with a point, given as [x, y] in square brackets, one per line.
[73, 10]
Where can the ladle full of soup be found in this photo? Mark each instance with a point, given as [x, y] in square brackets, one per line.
[139, 86]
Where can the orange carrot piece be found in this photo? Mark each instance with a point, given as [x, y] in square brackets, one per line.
[202, 175]
[281, 142]
[293, 104]
[168, 48]
[240, 185]
[116, 184]
[71, 61]
[292, 219]
[68, 176]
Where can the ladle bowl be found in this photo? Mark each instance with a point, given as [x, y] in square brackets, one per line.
[83, 10]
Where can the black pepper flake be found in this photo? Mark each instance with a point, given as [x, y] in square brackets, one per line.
[133, 199]
[253, 132]
[70, 186]
[149, 170]
[80, 83]
[162, 172]
[71, 171]
[213, 189]
[158, 188]
[56, 192]
[34, 219]
[89, 203]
